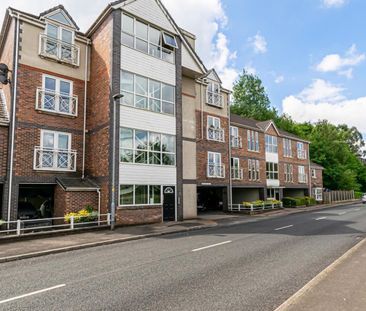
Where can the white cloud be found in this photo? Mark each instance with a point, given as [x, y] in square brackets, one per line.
[323, 100]
[205, 18]
[258, 43]
[279, 79]
[334, 3]
[341, 65]
[249, 68]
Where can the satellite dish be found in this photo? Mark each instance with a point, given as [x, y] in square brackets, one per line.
[4, 70]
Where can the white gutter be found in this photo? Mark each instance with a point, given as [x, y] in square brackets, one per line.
[15, 84]
[85, 101]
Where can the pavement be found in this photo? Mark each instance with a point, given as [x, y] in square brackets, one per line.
[229, 266]
[16, 249]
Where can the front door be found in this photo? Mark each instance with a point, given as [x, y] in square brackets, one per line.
[169, 203]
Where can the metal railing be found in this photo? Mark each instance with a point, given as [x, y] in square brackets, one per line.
[237, 173]
[215, 171]
[59, 50]
[216, 134]
[301, 154]
[48, 159]
[303, 179]
[214, 99]
[50, 101]
[254, 207]
[30, 226]
[236, 142]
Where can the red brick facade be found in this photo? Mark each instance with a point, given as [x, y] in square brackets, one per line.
[4, 130]
[138, 216]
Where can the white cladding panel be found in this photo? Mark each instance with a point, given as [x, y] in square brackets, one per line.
[147, 174]
[147, 120]
[188, 61]
[150, 11]
[272, 157]
[147, 66]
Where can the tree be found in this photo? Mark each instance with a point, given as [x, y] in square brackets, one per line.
[251, 99]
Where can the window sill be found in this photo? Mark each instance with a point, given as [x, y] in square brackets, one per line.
[56, 113]
[139, 207]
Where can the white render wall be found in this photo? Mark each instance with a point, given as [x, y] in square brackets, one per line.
[140, 174]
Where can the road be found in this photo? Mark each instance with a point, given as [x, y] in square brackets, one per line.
[253, 266]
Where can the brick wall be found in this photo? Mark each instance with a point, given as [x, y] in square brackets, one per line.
[98, 112]
[204, 145]
[66, 202]
[138, 216]
[4, 130]
[318, 181]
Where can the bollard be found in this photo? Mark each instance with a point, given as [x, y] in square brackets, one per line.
[18, 226]
[72, 222]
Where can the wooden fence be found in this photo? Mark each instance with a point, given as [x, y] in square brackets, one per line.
[338, 196]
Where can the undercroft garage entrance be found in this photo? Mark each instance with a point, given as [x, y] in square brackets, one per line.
[35, 201]
[1, 200]
[294, 192]
[241, 195]
[212, 198]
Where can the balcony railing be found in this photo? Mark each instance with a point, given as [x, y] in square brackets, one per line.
[236, 173]
[301, 154]
[59, 50]
[50, 101]
[215, 171]
[216, 134]
[236, 142]
[214, 99]
[303, 179]
[47, 159]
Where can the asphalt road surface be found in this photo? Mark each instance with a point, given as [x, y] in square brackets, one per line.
[252, 266]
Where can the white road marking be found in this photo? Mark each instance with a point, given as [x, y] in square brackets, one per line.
[289, 226]
[32, 293]
[342, 213]
[320, 218]
[209, 246]
[355, 210]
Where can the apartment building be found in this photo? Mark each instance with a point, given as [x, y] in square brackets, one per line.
[127, 118]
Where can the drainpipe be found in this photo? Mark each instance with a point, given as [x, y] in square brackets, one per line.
[202, 99]
[309, 173]
[15, 85]
[85, 101]
[230, 168]
[98, 191]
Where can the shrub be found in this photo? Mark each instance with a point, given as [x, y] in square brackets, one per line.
[358, 195]
[289, 202]
[85, 215]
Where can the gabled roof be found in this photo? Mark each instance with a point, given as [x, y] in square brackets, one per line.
[251, 123]
[212, 72]
[77, 184]
[265, 125]
[316, 165]
[57, 8]
[4, 115]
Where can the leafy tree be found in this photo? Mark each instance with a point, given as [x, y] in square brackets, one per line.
[251, 99]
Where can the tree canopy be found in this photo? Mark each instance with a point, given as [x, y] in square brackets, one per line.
[337, 148]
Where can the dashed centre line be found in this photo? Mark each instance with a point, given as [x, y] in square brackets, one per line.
[320, 218]
[210, 246]
[289, 226]
[32, 293]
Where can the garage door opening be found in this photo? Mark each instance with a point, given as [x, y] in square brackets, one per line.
[35, 201]
[211, 199]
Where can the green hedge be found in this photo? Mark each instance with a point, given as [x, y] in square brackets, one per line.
[298, 201]
[358, 195]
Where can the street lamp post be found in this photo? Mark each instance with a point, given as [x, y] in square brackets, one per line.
[116, 99]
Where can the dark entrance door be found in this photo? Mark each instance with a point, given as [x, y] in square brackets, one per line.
[169, 203]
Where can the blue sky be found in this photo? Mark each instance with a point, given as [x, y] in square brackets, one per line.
[310, 54]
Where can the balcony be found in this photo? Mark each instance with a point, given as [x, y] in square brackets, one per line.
[214, 99]
[236, 142]
[215, 134]
[215, 171]
[236, 173]
[50, 101]
[303, 178]
[47, 159]
[58, 50]
[301, 154]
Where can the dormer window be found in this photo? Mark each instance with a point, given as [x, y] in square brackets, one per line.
[213, 95]
[148, 39]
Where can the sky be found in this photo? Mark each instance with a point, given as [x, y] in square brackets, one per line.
[310, 54]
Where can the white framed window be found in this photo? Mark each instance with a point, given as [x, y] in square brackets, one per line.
[213, 122]
[147, 39]
[271, 144]
[253, 140]
[287, 147]
[144, 93]
[301, 152]
[54, 152]
[289, 173]
[272, 170]
[144, 147]
[302, 175]
[214, 165]
[137, 195]
[214, 130]
[253, 170]
[213, 96]
[56, 95]
[318, 194]
[236, 141]
[313, 173]
[236, 172]
[60, 33]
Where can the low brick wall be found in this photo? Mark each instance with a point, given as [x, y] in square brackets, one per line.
[139, 215]
[73, 201]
